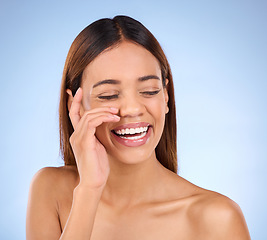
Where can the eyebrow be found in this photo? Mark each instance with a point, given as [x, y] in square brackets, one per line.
[148, 77]
[106, 81]
[113, 81]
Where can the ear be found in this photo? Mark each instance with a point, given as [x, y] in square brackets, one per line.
[70, 98]
[166, 95]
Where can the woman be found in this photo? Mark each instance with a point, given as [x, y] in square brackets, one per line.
[118, 139]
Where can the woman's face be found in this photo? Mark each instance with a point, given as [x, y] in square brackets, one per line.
[127, 77]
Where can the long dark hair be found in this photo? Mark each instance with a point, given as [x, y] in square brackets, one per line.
[90, 42]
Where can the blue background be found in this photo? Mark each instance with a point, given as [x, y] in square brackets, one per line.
[218, 54]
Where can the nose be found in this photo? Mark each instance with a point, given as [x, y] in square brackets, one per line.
[131, 106]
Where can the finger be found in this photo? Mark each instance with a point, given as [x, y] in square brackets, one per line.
[84, 132]
[103, 109]
[94, 120]
[94, 123]
[87, 116]
[75, 108]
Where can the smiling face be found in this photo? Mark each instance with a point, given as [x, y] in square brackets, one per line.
[127, 77]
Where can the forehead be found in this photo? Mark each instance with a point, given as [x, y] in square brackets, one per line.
[125, 62]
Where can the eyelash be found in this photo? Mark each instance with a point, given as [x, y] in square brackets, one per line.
[109, 97]
[150, 93]
[115, 96]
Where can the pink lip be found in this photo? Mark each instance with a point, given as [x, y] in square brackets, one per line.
[132, 142]
[132, 125]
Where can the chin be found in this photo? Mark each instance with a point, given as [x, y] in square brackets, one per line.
[131, 160]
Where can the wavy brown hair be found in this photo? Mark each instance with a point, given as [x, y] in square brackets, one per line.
[94, 39]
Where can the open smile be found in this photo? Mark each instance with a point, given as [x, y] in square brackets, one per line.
[132, 134]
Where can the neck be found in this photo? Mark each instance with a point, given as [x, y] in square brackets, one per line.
[132, 184]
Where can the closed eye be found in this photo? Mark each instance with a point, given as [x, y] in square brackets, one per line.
[150, 93]
[116, 96]
[109, 97]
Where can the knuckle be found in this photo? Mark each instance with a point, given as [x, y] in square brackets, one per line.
[70, 114]
[87, 114]
[75, 143]
[90, 125]
[71, 139]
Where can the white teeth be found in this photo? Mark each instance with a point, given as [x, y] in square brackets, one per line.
[132, 130]
[134, 137]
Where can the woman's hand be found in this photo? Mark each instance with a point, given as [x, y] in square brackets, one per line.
[90, 154]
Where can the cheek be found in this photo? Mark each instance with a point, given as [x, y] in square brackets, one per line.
[156, 107]
[90, 102]
[98, 104]
[158, 110]
[102, 133]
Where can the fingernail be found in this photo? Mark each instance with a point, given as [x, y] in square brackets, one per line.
[116, 117]
[79, 89]
[113, 109]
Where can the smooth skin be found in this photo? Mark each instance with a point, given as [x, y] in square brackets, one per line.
[119, 192]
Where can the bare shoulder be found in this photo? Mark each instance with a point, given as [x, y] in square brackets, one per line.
[217, 216]
[207, 214]
[48, 186]
[50, 182]
[54, 176]
[52, 172]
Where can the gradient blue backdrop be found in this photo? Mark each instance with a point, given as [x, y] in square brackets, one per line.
[218, 54]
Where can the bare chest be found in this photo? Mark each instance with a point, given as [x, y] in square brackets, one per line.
[135, 224]
[169, 222]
